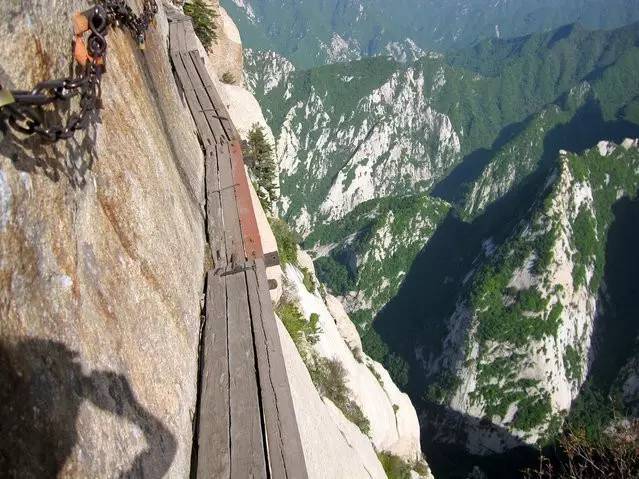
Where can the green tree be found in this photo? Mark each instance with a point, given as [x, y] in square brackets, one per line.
[203, 17]
[259, 153]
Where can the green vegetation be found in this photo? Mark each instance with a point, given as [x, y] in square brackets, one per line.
[442, 389]
[578, 456]
[309, 282]
[304, 29]
[532, 411]
[409, 220]
[572, 362]
[328, 377]
[397, 367]
[203, 21]
[334, 275]
[229, 78]
[377, 350]
[373, 344]
[259, 154]
[297, 326]
[585, 239]
[287, 241]
[394, 467]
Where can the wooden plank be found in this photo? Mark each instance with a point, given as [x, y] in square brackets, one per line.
[206, 135]
[181, 36]
[247, 447]
[206, 107]
[290, 440]
[234, 241]
[216, 100]
[215, 216]
[248, 221]
[191, 39]
[267, 393]
[214, 440]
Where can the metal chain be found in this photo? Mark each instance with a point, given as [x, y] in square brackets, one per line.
[26, 111]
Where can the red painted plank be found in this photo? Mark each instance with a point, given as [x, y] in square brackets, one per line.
[248, 221]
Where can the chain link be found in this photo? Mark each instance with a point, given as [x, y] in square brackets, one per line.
[26, 111]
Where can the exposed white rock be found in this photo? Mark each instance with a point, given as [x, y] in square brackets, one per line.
[340, 49]
[333, 447]
[404, 52]
[225, 53]
[265, 70]
[245, 111]
[545, 361]
[606, 147]
[345, 326]
[393, 431]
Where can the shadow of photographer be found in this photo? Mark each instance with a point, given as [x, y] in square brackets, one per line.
[42, 387]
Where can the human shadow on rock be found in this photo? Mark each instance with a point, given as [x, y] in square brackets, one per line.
[42, 387]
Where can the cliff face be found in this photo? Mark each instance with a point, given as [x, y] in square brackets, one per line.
[100, 305]
[392, 421]
[226, 52]
[520, 344]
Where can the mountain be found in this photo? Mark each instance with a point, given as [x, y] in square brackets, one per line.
[367, 267]
[312, 33]
[535, 327]
[475, 264]
[468, 126]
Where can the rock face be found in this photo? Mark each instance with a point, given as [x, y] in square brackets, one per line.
[520, 344]
[333, 447]
[226, 52]
[341, 131]
[102, 246]
[394, 426]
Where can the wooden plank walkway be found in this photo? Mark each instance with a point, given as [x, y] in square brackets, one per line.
[247, 426]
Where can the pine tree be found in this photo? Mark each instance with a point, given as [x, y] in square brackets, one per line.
[260, 153]
[203, 17]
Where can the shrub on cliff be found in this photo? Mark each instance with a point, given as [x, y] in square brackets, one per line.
[259, 154]
[287, 241]
[203, 17]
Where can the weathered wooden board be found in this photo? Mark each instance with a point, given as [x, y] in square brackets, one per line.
[215, 216]
[248, 221]
[214, 440]
[205, 105]
[248, 455]
[218, 104]
[232, 228]
[267, 341]
[270, 412]
[247, 426]
[204, 131]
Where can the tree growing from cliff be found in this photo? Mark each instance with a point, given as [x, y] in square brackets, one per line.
[259, 154]
[203, 17]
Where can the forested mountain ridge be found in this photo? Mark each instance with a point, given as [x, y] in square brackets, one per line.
[312, 33]
[451, 123]
[411, 182]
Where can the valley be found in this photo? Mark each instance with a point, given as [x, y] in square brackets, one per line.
[463, 207]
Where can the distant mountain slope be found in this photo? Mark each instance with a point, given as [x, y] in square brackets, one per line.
[513, 348]
[312, 33]
[365, 256]
[471, 125]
